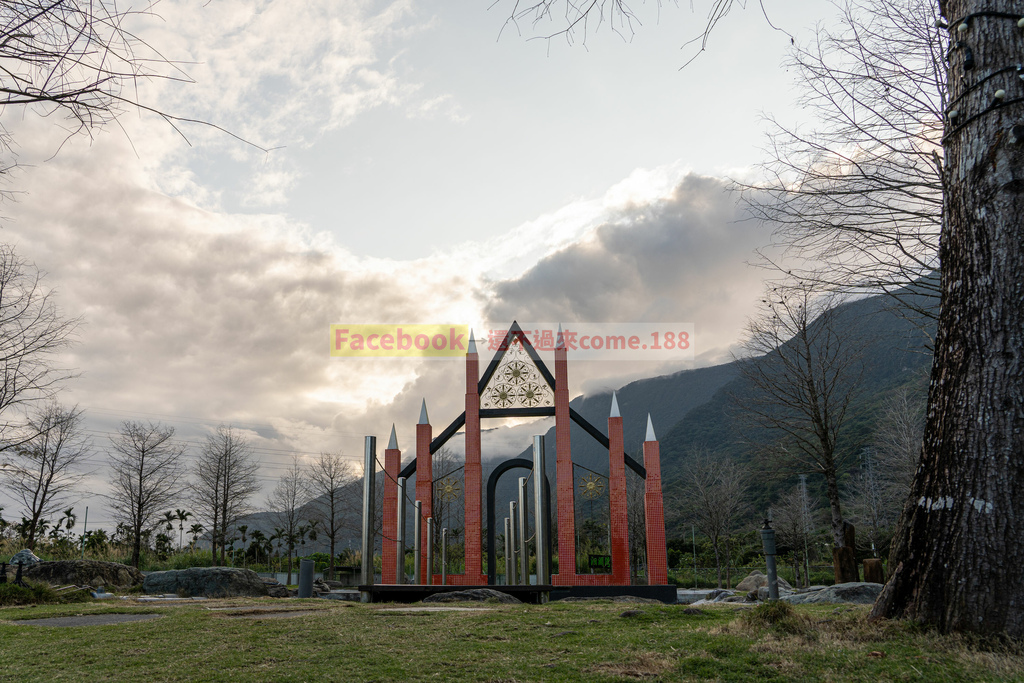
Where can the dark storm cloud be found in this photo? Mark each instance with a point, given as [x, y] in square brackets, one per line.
[682, 259]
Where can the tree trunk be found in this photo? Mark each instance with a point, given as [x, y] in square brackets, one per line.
[957, 562]
[718, 562]
[832, 490]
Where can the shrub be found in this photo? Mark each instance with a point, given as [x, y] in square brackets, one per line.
[39, 594]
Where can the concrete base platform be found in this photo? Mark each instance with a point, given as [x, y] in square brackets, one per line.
[529, 594]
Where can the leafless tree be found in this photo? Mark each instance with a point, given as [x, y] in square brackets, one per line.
[858, 199]
[33, 332]
[147, 476]
[713, 496]
[795, 517]
[332, 486]
[898, 438]
[225, 480]
[803, 371]
[48, 466]
[78, 60]
[286, 505]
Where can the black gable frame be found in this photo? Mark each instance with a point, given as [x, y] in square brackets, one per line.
[515, 331]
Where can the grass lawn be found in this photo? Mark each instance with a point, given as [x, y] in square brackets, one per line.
[591, 641]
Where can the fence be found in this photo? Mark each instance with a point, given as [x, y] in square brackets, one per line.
[707, 577]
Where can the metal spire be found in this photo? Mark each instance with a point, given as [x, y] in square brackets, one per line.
[615, 407]
[650, 430]
[424, 420]
[393, 442]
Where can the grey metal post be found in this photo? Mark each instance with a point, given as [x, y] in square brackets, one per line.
[417, 529]
[511, 559]
[539, 514]
[508, 550]
[768, 540]
[524, 555]
[444, 556]
[369, 495]
[400, 535]
[306, 568]
[85, 530]
[430, 551]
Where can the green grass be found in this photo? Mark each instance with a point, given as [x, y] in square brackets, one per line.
[590, 641]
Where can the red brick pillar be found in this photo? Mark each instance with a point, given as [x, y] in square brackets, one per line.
[617, 498]
[424, 484]
[474, 565]
[654, 512]
[392, 464]
[566, 575]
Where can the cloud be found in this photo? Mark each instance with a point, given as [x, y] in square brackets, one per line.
[677, 259]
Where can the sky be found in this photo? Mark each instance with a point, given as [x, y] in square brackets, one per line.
[398, 162]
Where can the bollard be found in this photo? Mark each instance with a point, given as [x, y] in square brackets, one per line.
[768, 540]
[416, 526]
[306, 578]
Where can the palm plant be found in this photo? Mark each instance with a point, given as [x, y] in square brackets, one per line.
[195, 531]
[182, 516]
[242, 529]
[258, 539]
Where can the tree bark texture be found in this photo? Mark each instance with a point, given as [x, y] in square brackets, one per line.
[958, 559]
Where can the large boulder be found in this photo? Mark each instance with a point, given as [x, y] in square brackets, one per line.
[85, 573]
[473, 595]
[858, 593]
[756, 579]
[26, 558]
[207, 582]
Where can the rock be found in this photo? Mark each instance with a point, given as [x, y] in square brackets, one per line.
[756, 579]
[275, 588]
[858, 593]
[25, 558]
[321, 586]
[85, 573]
[761, 593]
[718, 593]
[472, 595]
[615, 598]
[209, 582]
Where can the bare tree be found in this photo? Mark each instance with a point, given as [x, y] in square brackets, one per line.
[795, 517]
[147, 476]
[226, 479]
[47, 469]
[286, 505]
[331, 483]
[78, 60]
[897, 441]
[856, 203]
[803, 372]
[33, 332]
[714, 491]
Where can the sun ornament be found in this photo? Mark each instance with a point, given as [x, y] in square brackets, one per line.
[592, 487]
[449, 489]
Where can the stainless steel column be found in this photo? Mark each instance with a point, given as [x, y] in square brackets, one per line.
[444, 556]
[540, 512]
[400, 534]
[369, 495]
[524, 554]
[417, 547]
[510, 561]
[430, 551]
[508, 552]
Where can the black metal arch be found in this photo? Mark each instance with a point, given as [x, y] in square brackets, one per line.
[492, 486]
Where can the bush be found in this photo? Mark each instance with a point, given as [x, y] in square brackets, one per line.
[776, 616]
[39, 594]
